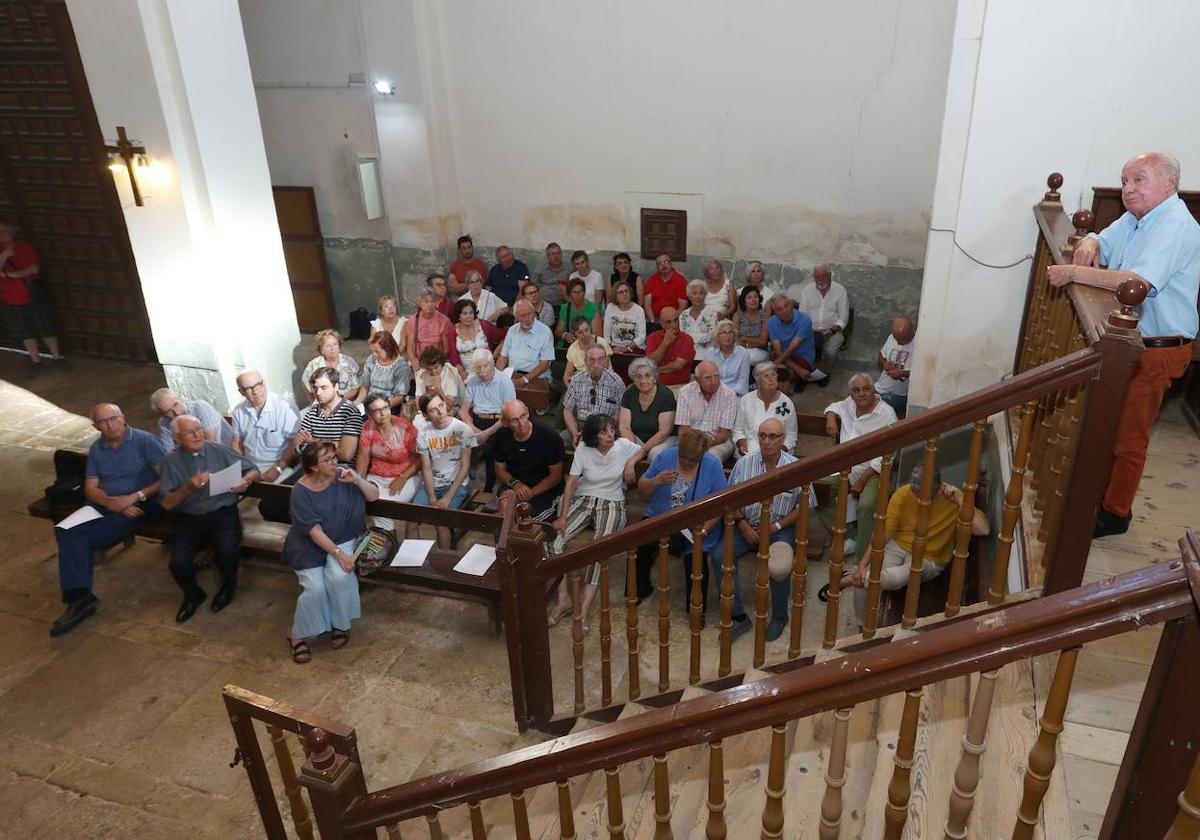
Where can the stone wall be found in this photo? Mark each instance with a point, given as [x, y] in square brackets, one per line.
[361, 271]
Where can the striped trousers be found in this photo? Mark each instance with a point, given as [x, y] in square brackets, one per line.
[603, 515]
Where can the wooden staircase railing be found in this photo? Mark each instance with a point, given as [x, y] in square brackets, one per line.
[980, 644]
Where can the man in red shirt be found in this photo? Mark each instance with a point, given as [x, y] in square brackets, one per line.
[467, 261]
[25, 317]
[672, 350]
[666, 287]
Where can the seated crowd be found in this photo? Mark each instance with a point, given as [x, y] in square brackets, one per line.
[709, 376]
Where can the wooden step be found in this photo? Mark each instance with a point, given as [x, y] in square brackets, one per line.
[590, 793]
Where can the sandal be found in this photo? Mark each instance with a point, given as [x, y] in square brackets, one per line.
[338, 639]
[557, 614]
[301, 652]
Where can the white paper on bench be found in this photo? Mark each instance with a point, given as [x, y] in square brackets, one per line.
[477, 560]
[85, 514]
[223, 480]
[412, 553]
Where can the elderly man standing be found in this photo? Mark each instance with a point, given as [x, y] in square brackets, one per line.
[528, 346]
[507, 276]
[671, 349]
[895, 357]
[529, 461]
[263, 425]
[121, 484]
[861, 412]
[1156, 241]
[827, 305]
[791, 335]
[599, 392]
[200, 516]
[785, 510]
[486, 394]
[167, 405]
[456, 281]
[551, 279]
[710, 407]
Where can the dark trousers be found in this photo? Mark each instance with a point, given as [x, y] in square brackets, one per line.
[489, 460]
[222, 530]
[75, 547]
[648, 554]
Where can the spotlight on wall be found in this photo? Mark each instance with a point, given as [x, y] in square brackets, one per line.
[123, 153]
[384, 87]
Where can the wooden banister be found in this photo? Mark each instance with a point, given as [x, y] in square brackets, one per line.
[980, 643]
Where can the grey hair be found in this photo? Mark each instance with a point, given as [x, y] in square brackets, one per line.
[918, 474]
[726, 322]
[763, 367]
[176, 422]
[427, 295]
[1168, 165]
[858, 376]
[473, 273]
[482, 354]
[158, 397]
[694, 283]
[642, 362]
[776, 297]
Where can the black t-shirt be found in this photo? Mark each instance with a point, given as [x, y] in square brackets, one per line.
[529, 461]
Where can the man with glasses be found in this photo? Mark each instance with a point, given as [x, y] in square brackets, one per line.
[785, 510]
[202, 518]
[121, 484]
[599, 391]
[529, 461]
[263, 426]
[528, 347]
[710, 407]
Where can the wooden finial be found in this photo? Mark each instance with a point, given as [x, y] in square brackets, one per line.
[320, 751]
[1130, 293]
[1053, 182]
[524, 516]
[1082, 219]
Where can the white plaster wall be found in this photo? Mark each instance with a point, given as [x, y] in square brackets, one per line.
[1016, 111]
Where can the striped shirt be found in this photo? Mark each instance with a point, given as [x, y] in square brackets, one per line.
[706, 415]
[752, 466]
[345, 419]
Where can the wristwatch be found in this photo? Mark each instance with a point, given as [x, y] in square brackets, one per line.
[141, 496]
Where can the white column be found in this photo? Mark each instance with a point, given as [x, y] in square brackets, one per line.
[176, 75]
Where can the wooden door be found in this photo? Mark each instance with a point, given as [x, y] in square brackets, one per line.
[304, 252]
[56, 187]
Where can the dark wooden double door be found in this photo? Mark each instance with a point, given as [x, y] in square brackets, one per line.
[56, 187]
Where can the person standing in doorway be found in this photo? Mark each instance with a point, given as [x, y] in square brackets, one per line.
[25, 315]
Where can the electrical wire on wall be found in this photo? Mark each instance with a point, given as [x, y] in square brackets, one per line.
[965, 253]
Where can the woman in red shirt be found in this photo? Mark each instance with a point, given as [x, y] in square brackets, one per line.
[387, 455]
[25, 317]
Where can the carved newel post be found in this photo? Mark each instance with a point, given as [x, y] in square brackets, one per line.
[333, 781]
[1082, 220]
[528, 635]
[1130, 293]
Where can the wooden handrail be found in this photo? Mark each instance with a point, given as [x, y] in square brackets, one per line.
[1074, 369]
[1029, 628]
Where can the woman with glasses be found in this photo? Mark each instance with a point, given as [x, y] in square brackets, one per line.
[732, 361]
[385, 372]
[328, 507]
[766, 401]
[625, 321]
[329, 354]
[577, 351]
[679, 476]
[437, 377]
[387, 455]
[389, 320]
[647, 414]
[594, 497]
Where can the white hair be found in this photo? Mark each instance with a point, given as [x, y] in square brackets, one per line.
[482, 354]
[181, 419]
[642, 362]
[158, 396]
[697, 284]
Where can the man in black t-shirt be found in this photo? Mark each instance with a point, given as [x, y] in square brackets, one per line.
[529, 461]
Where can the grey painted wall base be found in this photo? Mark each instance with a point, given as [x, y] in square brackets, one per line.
[361, 271]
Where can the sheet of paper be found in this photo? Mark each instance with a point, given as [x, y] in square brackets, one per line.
[687, 534]
[85, 514]
[412, 553]
[222, 480]
[477, 560]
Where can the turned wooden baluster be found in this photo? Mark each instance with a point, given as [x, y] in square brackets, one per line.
[878, 540]
[696, 609]
[799, 575]
[837, 555]
[605, 639]
[1042, 757]
[616, 814]
[577, 638]
[520, 816]
[566, 813]
[1051, 469]
[715, 828]
[1012, 507]
[435, 827]
[895, 813]
[478, 829]
[662, 799]
[291, 786]
[974, 742]
[920, 534]
[772, 819]
[726, 664]
[966, 515]
[664, 617]
[1060, 469]
[631, 626]
[761, 576]
[835, 777]
[1186, 825]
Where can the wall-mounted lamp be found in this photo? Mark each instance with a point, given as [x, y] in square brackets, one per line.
[122, 155]
[384, 88]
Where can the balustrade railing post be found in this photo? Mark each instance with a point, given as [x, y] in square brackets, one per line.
[966, 515]
[837, 556]
[726, 593]
[799, 575]
[1043, 756]
[761, 577]
[875, 555]
[696, 607]
[525, 630]
[1013, 495]
[333, 781]
[256, 771]
[633, 676]
[925, 497]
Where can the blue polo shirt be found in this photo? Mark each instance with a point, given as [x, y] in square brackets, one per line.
[506, 283]
[524, 350]
[801, 325]
[130, 466]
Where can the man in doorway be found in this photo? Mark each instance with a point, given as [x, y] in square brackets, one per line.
[467, 261]
[827, 304]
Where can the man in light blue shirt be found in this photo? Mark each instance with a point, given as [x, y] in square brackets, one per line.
[263, 425]
[1157, 241]
[528, 347]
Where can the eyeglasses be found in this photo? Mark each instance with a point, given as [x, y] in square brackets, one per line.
[329, 459]
[769, 435]
[249, 389]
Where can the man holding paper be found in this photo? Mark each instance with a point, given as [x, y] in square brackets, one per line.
[200, 482]
[120, 486]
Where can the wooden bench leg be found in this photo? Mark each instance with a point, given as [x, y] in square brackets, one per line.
[496, 618]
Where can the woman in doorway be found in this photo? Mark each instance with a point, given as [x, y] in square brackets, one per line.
[25, 315]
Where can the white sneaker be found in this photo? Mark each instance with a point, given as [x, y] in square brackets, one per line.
[817, 375]
[850, 546]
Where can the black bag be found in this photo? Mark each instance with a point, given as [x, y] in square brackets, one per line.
[65, 495]
[360, 324]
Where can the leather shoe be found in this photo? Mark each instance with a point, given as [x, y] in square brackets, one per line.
[775, 628]
[824, 383]
[741, 626]
[188, 609]
[1108, 524]
[76, 612]
[223, 598]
